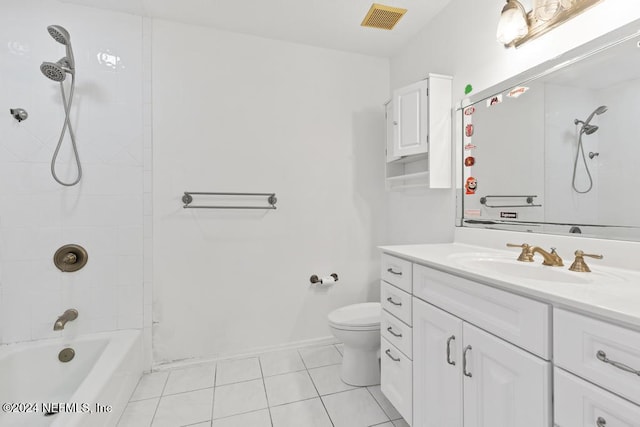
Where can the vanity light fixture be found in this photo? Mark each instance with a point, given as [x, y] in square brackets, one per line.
[513, 23]
[516, 26]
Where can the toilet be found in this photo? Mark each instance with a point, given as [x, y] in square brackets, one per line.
[358, 327]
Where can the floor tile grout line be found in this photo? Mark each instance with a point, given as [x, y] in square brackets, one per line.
[266, 396]
[378, 403]
[164, 386]
[213, 398]
[317, 391]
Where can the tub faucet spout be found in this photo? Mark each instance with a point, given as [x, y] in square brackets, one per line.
[67, 316]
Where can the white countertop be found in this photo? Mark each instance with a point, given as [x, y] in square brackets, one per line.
[609, 293]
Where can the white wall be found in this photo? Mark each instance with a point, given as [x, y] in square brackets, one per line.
[104, 213]
[460, 41]
[245, 114]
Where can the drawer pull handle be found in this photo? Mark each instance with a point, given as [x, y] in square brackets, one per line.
[390, 270]
[602, 356]
[464, 361]
[449, 361]
[393, 333]
[388, 352]
[601, 422]
[393, 302]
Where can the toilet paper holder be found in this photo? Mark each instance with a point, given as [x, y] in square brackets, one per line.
[315, 279]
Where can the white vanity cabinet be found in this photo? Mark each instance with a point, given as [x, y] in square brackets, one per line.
[488, 352]
[606, 355]
[418, 122]
[396, 352]
[465, 376]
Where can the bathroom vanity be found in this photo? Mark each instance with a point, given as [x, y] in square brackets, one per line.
[473, 337]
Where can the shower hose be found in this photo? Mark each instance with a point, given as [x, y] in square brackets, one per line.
[579, 152]
[67, 124]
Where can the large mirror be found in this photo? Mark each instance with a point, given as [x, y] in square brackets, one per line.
[557, 149]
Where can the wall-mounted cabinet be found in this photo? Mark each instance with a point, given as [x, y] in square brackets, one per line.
[418, 132]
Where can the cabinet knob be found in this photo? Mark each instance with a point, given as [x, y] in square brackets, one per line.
[395, 123]
[601, 422]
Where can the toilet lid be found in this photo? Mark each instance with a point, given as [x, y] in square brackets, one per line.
[357, 315]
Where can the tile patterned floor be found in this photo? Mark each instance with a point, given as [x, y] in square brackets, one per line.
[291, 388]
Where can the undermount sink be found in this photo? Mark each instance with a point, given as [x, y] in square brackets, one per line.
[503, 266]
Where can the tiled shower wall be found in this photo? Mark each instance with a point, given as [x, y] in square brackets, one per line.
[109, 212]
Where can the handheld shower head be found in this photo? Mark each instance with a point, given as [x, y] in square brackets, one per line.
[601, 109]
[56, 71]
[61, 35]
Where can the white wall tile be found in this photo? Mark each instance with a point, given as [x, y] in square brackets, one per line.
[104, 212]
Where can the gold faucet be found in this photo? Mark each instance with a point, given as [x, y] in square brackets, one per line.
[528, 251]
[579, 265]
[67, 316]
[552, 259]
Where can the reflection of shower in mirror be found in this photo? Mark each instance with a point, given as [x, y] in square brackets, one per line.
[587, 129]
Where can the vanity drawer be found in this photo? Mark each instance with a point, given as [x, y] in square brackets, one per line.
[521, 321]
[599, 352]
[396, 302]
[396, 380]
[579, 403]
[396, 271]
[397, 333]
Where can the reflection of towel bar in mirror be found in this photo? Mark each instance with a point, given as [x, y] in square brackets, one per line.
[187, 199]
[529, 200]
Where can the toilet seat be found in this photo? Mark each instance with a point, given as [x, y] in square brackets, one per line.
[357, 317]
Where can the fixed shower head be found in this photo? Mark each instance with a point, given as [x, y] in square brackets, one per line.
[56, 71]
[61, 35]
[601, 109]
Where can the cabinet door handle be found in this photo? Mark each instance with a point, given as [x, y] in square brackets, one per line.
[397, 273]
[464, 361]
[393, 302]
[449, 361]
[601, 422]
[602, 356]
[388, 352]
[393, 333]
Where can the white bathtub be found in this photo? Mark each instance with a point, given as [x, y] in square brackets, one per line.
[104, 371]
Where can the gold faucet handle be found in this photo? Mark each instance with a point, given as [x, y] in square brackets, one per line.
[526, 255]
[557, 258]
[579, 264]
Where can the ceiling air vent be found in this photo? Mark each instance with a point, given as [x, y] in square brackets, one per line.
[384, 17]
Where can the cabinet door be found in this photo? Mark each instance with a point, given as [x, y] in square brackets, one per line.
[396, 378]
[437, 368]
[390, 130]
[504, 386]
[579, 403]
[410, 119]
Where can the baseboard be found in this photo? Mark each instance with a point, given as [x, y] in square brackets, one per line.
[250, 353]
